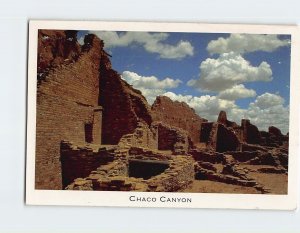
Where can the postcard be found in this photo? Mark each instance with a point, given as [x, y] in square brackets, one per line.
[184, 115]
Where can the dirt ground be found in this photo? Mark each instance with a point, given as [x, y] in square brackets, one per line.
[274, 183]
[207, 186]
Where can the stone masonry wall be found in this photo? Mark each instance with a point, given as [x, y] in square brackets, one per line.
[66, 100]
[123, 106]
[172, 138]
[206, 128]
[114, 176]
[178, 114]
[222, 138]
[79, 161]
[143, 136]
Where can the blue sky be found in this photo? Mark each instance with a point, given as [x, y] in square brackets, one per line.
[246, 75]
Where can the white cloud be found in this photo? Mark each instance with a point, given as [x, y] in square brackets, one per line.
[151, 42]
[150, 82]
[268, 100]
[151, 94]
[229, 70]
[263, 112]
[243, 43]
[150, 86]
[206, 106]
[237, 92]
[266, 110]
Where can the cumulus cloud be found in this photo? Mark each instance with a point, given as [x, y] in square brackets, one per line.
[267, 109]
[229, 70]
[244, 43]
[150, 86]
[268, 100]
[206, 106]
[151, 42]
[237, 92]
[150, 82]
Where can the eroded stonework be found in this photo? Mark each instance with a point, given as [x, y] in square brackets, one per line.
[96, 132]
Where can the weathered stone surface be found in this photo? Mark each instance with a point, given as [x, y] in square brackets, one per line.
[143, 136]
[275, 131]
[56, 48]
[172, 138]
[222, 138]
[66, 100]
[79, 161]
[83, 103]
[250, 133]
[114, 177]
[178, 114]
[222, 119]
[123, 106]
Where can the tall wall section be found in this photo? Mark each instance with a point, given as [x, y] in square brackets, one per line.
[123, 106]
[67, 101]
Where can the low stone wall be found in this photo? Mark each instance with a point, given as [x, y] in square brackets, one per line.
[78, 161]
[114, 175]
[178, 176]
[243, 156]
[143, 136]
[207, 156]
[147, 154]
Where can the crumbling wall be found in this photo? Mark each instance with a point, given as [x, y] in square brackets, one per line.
[66, 100]
[250, 133]
[113, 177]
[80, 161]
[123, 106]
[226, 139]
[206, 128]
[178, 176]
[172, 138]
[143, 136]
[56, 47]
[222, 138]
[177, 114]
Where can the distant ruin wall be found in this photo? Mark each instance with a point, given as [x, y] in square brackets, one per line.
[66, 102]
[226, 139]
[206, 128]
[222, 138]
[178, 114]
[172, 138]
[250, 133]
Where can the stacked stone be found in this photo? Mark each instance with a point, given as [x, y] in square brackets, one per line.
[208, 174]
[143, 136]
[178, 176]
[123, 106]
[148, 154]
[66, 99]
[172, 138]
[163, 109]
[78, 161]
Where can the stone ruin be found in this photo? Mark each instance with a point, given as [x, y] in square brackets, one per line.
[96, 132]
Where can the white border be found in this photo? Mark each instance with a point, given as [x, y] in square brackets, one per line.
[199, 200]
